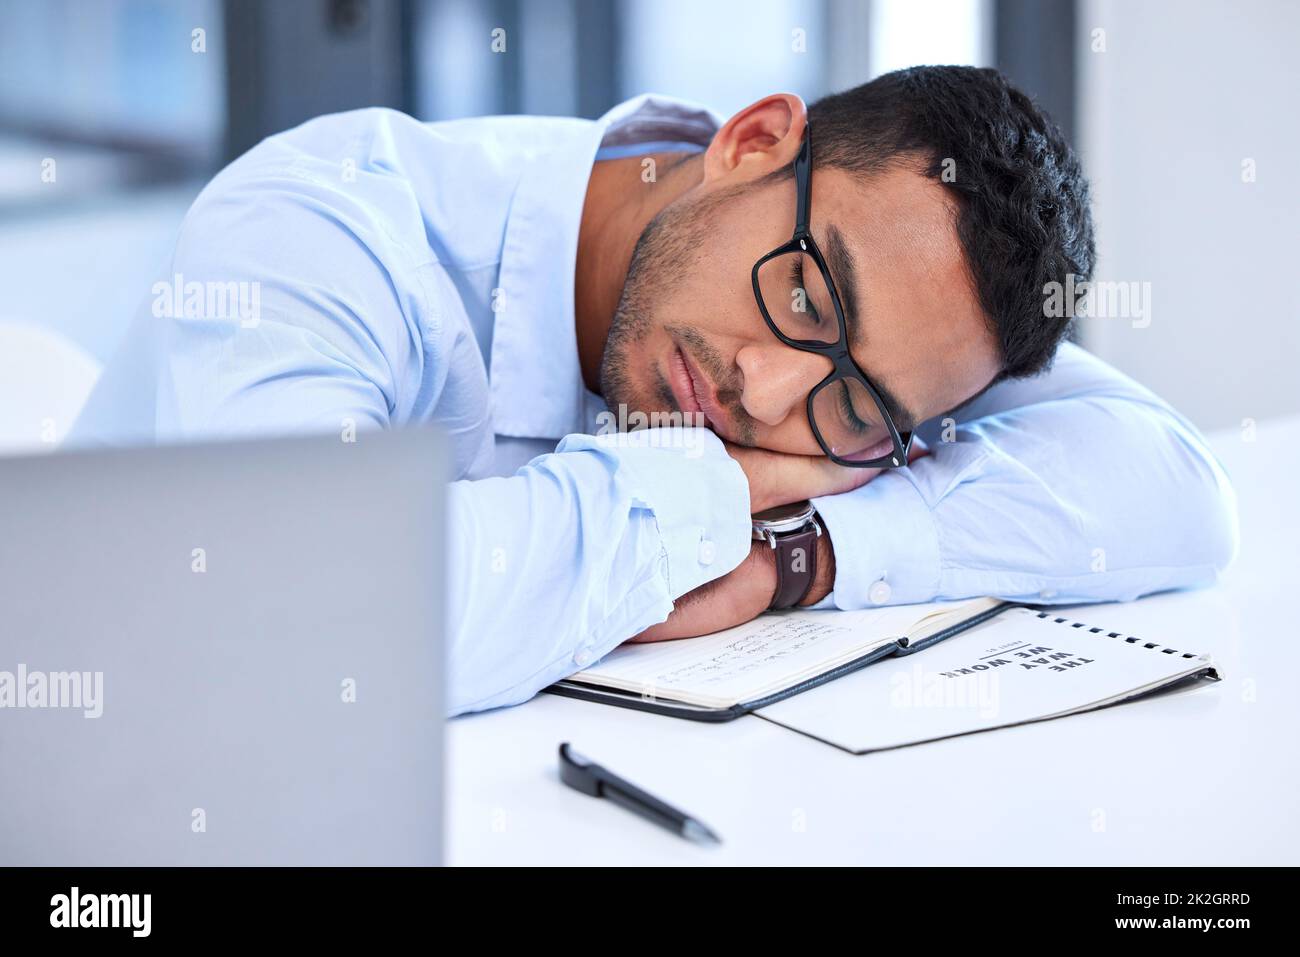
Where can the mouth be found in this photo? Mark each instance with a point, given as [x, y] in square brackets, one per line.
[694, 393]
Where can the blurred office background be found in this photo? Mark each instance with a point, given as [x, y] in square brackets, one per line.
[114, 112]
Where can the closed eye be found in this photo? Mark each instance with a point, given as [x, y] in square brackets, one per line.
[851, 416]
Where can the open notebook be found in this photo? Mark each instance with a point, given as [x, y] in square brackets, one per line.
[729, 673]
[935, 671]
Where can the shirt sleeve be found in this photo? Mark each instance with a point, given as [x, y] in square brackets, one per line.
[321, 327]
[1076, 485]
[554, 566]
[548, 569]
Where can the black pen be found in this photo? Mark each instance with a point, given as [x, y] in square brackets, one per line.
[583, 775]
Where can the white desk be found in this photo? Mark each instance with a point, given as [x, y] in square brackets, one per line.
[1206, 777]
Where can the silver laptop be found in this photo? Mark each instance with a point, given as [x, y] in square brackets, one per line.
[223, 654]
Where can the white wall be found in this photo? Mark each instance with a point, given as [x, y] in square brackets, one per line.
[1182, 95]
[725, 55]
[905, 33]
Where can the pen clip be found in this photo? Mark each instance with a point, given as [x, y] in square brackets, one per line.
[578, 772]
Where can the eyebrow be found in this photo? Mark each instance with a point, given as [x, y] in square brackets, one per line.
[845, 275]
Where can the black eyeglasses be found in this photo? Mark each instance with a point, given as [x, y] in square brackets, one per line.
[846, 413]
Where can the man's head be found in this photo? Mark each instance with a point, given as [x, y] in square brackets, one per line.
[943, 200]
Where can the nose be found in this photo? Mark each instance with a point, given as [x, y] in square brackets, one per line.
[778, 379]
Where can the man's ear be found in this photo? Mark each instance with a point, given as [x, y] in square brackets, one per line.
[760, 139]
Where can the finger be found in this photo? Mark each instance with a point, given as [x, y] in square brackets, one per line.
[793, 478]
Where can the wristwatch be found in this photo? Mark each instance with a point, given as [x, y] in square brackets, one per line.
[792, 531]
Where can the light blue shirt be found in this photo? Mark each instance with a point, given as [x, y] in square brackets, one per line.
[425, 272]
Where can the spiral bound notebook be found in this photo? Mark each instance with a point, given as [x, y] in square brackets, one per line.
[883, 678]
[1024, 665]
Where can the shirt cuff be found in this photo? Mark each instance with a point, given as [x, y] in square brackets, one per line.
[698, 494]
[885, 541]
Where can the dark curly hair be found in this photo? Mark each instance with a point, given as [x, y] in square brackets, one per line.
[1023, 219]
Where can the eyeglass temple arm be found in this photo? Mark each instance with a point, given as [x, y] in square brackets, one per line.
[803, 183]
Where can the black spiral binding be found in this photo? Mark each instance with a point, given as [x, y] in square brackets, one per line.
[1115, 634]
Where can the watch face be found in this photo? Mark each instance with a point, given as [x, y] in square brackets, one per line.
[790, 516]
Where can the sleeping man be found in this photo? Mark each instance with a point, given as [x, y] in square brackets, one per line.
[839, 316]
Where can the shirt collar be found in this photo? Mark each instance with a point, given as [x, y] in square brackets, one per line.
[536, 382]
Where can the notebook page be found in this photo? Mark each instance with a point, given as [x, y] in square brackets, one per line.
[770, 653]
[1015, 668]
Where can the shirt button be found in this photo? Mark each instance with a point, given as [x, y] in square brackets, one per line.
[708, 552]
[1047, 593]
[582, 658]
[879, 592]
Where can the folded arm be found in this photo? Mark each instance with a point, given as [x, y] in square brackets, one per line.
[553, 567]
[1076, 485]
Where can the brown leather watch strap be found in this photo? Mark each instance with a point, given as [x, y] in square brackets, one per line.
[796, 566]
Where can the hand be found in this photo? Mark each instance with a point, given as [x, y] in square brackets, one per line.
[741, 595]
[778, 478]
[746, 591]
[738, 596]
